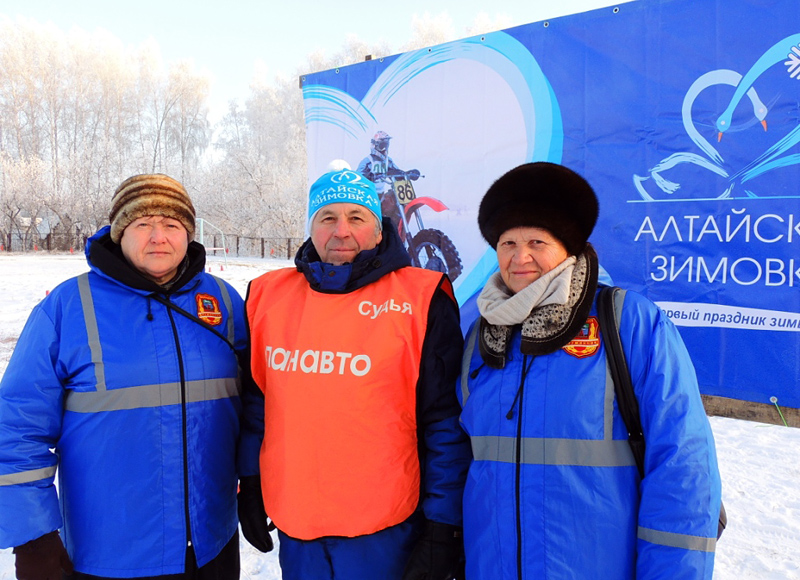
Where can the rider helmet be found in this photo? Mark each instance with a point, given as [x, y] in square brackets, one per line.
[380, 142]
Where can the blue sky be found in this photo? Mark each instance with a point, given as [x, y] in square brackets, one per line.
[228, 38]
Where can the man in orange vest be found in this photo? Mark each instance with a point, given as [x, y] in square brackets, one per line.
[363, 460]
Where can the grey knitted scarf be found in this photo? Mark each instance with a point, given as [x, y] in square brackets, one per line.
[557, 308]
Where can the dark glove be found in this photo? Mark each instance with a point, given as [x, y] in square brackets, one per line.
[42, 559]
[438, 554]
[413, 175]
[252, 515]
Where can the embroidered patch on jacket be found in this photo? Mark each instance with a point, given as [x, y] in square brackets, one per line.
[208, 309]
[587, 342]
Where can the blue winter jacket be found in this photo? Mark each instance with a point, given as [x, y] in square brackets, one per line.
[137, 406]
[553, 491]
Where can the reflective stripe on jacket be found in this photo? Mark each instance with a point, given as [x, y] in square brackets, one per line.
[339, 373]
[110, 389]
[553, 491]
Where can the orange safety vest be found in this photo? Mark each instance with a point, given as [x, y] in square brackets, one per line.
[339, 375]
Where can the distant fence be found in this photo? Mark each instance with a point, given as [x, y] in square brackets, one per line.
[238, 246]
[33, 242]
[247, 247]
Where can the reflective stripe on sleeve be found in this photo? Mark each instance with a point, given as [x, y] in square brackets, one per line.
[93, 334]
[610, 394]
[27, 476]
[226, 298]
[539, 451]
[465, 360]
[608, 405]
[148, 396]
[673, 540]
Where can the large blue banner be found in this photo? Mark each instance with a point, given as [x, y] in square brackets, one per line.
[684, 115]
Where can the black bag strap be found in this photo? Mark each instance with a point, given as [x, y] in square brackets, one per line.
[627, 403]
[172, 306]
[609, 315]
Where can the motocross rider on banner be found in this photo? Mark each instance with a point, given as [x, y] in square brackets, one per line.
[378, 167]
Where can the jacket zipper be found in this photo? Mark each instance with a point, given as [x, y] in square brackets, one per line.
[527, 361]
[184, 436]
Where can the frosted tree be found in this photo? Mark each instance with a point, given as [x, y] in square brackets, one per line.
[80, 112]
[258, 183]
[21, 203]
[93, 113]
[428, 30]
[188, 131]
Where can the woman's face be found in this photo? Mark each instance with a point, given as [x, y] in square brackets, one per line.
[524, 254]
[156, 246]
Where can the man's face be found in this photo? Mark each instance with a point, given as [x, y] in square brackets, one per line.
[340, 231]
[155, 246]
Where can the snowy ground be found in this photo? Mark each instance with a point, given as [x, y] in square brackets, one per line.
[760, 464]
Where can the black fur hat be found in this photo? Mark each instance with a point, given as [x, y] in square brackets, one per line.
[540, 195]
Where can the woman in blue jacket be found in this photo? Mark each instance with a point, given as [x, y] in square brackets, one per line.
[553, 491]
[126, 379]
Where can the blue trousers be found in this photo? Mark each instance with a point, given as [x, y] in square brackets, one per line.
[379, 556]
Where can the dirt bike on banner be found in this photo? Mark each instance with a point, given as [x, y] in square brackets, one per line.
[429, 248]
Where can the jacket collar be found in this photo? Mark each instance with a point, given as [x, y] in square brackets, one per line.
[105, 257]
[368, 266]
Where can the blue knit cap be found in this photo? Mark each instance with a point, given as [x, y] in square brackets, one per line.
[343, 186]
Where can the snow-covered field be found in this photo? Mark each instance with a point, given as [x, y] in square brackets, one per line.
[760, 464]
